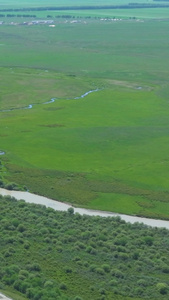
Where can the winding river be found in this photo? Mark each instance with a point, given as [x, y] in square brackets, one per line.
[50, 101]
[32, 198]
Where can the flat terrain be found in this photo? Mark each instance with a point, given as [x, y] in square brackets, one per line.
[84, 116]
[41, 3]
[108, 150]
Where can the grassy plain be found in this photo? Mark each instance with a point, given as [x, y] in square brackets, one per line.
[43, 3]
[108, 150]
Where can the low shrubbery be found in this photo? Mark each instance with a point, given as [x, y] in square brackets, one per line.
[46, 254]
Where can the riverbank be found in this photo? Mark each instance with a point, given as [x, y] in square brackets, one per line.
[3, 297]
[56, 205]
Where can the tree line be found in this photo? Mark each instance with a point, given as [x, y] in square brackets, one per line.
[89, 7]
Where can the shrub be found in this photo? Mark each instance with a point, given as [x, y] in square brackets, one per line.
[99, 271]
[148, 240]
[106, 268]
[102, 291]
[34, 267]
[162, 288]
[117, 273]
[142, 282]
[48, 284]
[21, 228]
[26, 245]
[11, 186]
[113, 282]
[68, 270]
[92, 267]
[63, 286]
[70, 210]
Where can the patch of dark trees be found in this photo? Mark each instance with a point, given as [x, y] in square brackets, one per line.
[21, 16]
[128, 6]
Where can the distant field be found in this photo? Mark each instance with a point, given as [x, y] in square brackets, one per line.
[128, 50]
[160, 12]
[118, 13]
[41, 3]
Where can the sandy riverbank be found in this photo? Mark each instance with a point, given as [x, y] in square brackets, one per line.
[32, 198]
[3, 297]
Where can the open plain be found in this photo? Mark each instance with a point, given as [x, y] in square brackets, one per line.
[108, 150]
[84, 116]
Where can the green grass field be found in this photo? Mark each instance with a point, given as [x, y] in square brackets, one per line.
[106, 151]
[99, 13]
[43, 3]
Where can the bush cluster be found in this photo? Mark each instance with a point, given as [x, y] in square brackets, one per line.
[47, 254]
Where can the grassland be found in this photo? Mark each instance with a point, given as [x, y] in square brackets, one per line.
[150, 13]
[108, 150]
[135, 12]
[42, 3]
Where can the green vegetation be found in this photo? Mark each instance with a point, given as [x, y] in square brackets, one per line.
[81, 8]
[108, 150]
[42, 3]
[61, 255]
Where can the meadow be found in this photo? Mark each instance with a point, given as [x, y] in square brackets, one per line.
[42, 3]
[108, 150]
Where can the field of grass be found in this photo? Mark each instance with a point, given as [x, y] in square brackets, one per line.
[108, 150]
[99, 13]
[118, 13]
[149, 13]
[43, 3]
[128, 51]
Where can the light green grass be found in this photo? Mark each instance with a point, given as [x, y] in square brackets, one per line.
[114, 141]
[119, 203]
[43, 3]
[109, 135]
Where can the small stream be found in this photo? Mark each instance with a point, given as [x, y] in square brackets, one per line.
[32, 198]
[60, 206]
[50, 101]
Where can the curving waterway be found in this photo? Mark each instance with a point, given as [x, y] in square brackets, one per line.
[50, 101]
[56, 205]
